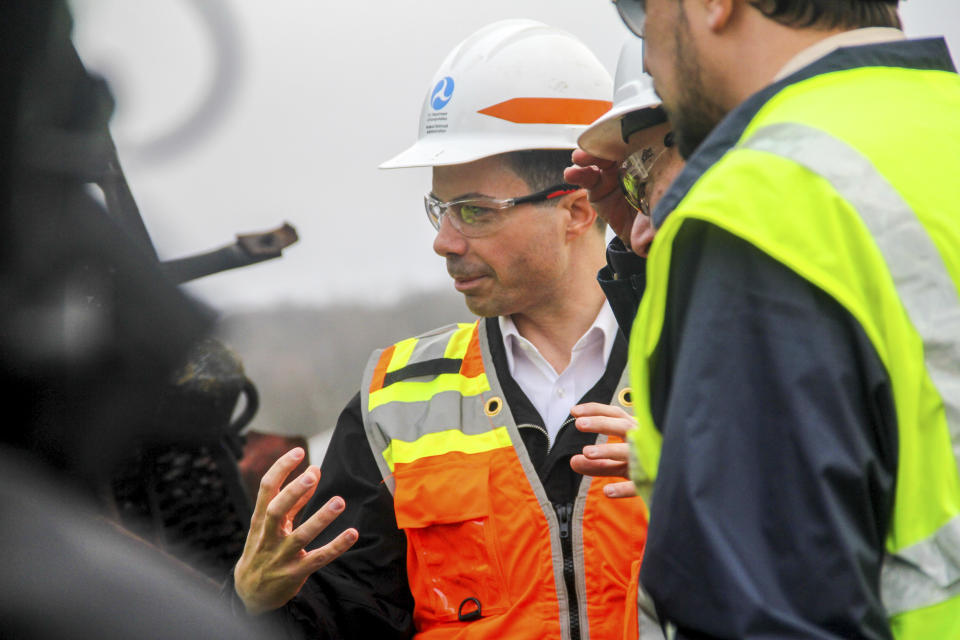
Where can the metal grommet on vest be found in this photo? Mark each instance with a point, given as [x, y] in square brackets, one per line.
[475, 614]
[625, 397]
[493, 406]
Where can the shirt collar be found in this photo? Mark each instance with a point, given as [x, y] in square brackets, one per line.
[604, 328]
[853, 38]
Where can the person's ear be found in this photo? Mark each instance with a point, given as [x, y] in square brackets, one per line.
[582, 216]
[718, 13]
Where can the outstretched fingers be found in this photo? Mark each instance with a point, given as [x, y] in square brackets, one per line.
[273, 479]
[332, 550]
[317, 523]
[284, 507]
[307, 495]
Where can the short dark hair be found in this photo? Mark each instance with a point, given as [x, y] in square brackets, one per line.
[831, 14]
[541, 169]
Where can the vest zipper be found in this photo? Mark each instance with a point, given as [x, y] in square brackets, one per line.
[564, 517]
[537, 427]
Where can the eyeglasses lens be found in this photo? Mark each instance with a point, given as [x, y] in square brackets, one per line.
[634, 174]
[434, 211]
[472, 218]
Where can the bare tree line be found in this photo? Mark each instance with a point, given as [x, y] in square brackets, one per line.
[307, 361]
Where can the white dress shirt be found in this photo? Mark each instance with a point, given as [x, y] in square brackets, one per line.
[554, 394]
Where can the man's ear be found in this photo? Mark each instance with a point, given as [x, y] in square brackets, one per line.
[582, 217]
[718, 13]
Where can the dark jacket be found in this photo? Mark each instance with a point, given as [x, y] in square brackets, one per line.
[364, 593]
[803, 490]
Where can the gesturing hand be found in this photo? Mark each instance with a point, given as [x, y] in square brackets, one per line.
[274, 564]
[610, 459]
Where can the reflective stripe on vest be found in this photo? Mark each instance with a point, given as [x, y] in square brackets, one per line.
[933, 305]
[457, 368]
[877, 231]
[477, 519]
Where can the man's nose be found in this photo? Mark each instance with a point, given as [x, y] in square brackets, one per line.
[448, 240]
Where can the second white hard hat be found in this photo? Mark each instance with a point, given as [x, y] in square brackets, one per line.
[512, 85]
[633, 95]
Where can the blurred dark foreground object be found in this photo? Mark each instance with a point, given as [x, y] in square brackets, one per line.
[68, 574]
[91, 333]
[181, 489]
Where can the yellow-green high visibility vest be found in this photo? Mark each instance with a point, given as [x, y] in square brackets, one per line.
[849, 179]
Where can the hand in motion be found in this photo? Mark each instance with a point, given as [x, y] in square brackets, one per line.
[608, 459]
[274, 564]
[600, 178]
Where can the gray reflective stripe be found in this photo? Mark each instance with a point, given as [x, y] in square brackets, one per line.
[929, 571]
[671, 631]
[409, 421]
[648, 626]
[576, 523]
[579, 564]
[923, 574]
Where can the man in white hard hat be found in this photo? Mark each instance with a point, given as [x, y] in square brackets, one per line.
[451, 466]
[627, 160]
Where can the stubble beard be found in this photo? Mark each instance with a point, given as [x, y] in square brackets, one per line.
[694, 113]
[481, 307]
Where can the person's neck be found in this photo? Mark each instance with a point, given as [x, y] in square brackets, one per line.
[769, 47]
[556, 327]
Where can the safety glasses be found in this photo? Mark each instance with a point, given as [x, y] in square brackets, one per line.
[634, 14]
[478, 217]
[635, 173]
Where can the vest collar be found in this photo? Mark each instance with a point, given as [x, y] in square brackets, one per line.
[929, 54]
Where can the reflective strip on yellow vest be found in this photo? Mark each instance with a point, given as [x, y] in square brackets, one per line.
[927, 572]
[895, 268]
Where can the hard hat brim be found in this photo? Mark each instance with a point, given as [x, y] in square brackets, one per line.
[444, 150]
[604, 138]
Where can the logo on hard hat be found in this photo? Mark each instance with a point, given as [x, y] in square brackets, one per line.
[441, 93]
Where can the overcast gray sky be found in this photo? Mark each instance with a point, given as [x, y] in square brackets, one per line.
[310, 97]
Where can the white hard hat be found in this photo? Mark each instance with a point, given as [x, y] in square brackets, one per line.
[512, 85]
[633, 94]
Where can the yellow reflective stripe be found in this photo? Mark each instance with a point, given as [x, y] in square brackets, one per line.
[435, 444]
[645, 439]
[422, 391]
[938, 621]
[459, 341]
[401, 354]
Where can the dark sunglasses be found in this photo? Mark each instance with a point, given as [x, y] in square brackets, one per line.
[634, 14]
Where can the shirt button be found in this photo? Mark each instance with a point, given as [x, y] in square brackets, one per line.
[560, 392]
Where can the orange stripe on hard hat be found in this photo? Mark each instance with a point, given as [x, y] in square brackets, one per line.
[548, 110]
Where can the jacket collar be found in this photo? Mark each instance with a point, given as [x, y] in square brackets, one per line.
[929, 54]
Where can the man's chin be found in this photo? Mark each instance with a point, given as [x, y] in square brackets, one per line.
[480, 306]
